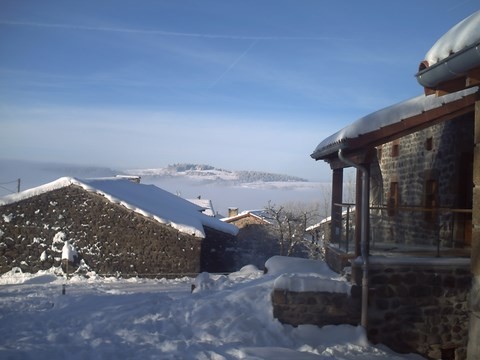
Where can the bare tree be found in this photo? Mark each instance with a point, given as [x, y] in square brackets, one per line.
[320, 232]
[325, 198]
[290, 223]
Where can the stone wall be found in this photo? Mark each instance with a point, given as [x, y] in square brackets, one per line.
[109, 238]
[421, 308]
[219, 251]
[413, 307]
[434, 153]
[317, 308]
[337, 259]
[256, 242]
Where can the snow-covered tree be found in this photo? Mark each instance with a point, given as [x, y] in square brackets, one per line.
[290, 223]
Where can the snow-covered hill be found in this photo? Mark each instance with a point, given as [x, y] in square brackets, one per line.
[242, 189]
[207, 173]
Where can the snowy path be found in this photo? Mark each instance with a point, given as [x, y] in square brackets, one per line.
[161, 319]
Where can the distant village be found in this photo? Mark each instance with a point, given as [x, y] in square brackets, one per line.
[408, 242]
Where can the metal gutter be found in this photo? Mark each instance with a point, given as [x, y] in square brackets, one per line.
[363, 236]
[329, 149]
[454, 66]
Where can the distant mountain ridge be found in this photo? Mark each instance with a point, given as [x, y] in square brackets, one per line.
[211, 173]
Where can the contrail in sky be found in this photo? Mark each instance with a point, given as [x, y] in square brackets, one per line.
[161, 32]
[235, 62]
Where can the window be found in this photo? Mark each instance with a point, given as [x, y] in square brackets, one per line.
[393, 199]
[431, 202]
[395, 148]
[429, 144]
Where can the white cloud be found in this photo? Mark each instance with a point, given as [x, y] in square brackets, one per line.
[132, 30]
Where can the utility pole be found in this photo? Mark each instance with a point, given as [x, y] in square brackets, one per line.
[18, 185]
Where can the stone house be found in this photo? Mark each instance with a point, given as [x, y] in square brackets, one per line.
[256, 242]
[321, 234]
[417, 225]
[115, 225]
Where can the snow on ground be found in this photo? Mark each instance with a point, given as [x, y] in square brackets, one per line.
[225, 317]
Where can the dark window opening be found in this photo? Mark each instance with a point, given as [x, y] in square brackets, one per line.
[431, 201]
[429, 144]
[393, 199]
[448, 353]
[395, 149]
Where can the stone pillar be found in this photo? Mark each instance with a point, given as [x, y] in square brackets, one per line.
[473, 351]
[337, 197]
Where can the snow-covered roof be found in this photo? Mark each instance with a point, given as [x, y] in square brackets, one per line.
[261, 215]
[147, 200]
[328, 219]
[205, 204]
[455, 56]
[388, 116]
[462, 35]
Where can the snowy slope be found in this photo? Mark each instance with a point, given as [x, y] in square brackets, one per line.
[225, 318]
[207, 173]
[248, 194]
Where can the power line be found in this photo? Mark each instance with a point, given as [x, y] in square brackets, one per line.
[11, 182]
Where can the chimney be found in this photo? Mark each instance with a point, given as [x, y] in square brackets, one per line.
[232, 211]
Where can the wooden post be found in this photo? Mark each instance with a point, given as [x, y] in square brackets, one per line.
[337, 197]
[473, 351]
[358, 212]
[475, 261]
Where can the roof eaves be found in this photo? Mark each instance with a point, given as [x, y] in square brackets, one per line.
[330, 148]
[385, 118]
[456, 65]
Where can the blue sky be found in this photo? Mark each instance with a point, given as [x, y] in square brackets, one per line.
[252, 85]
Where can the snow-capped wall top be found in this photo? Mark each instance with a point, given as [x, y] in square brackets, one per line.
[462, 35]
[387, 116]
[147, 200]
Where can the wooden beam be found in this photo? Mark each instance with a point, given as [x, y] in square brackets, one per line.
[464, 81]
[337, 198]
[451, 86]
[475, 259]
[473, 78]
